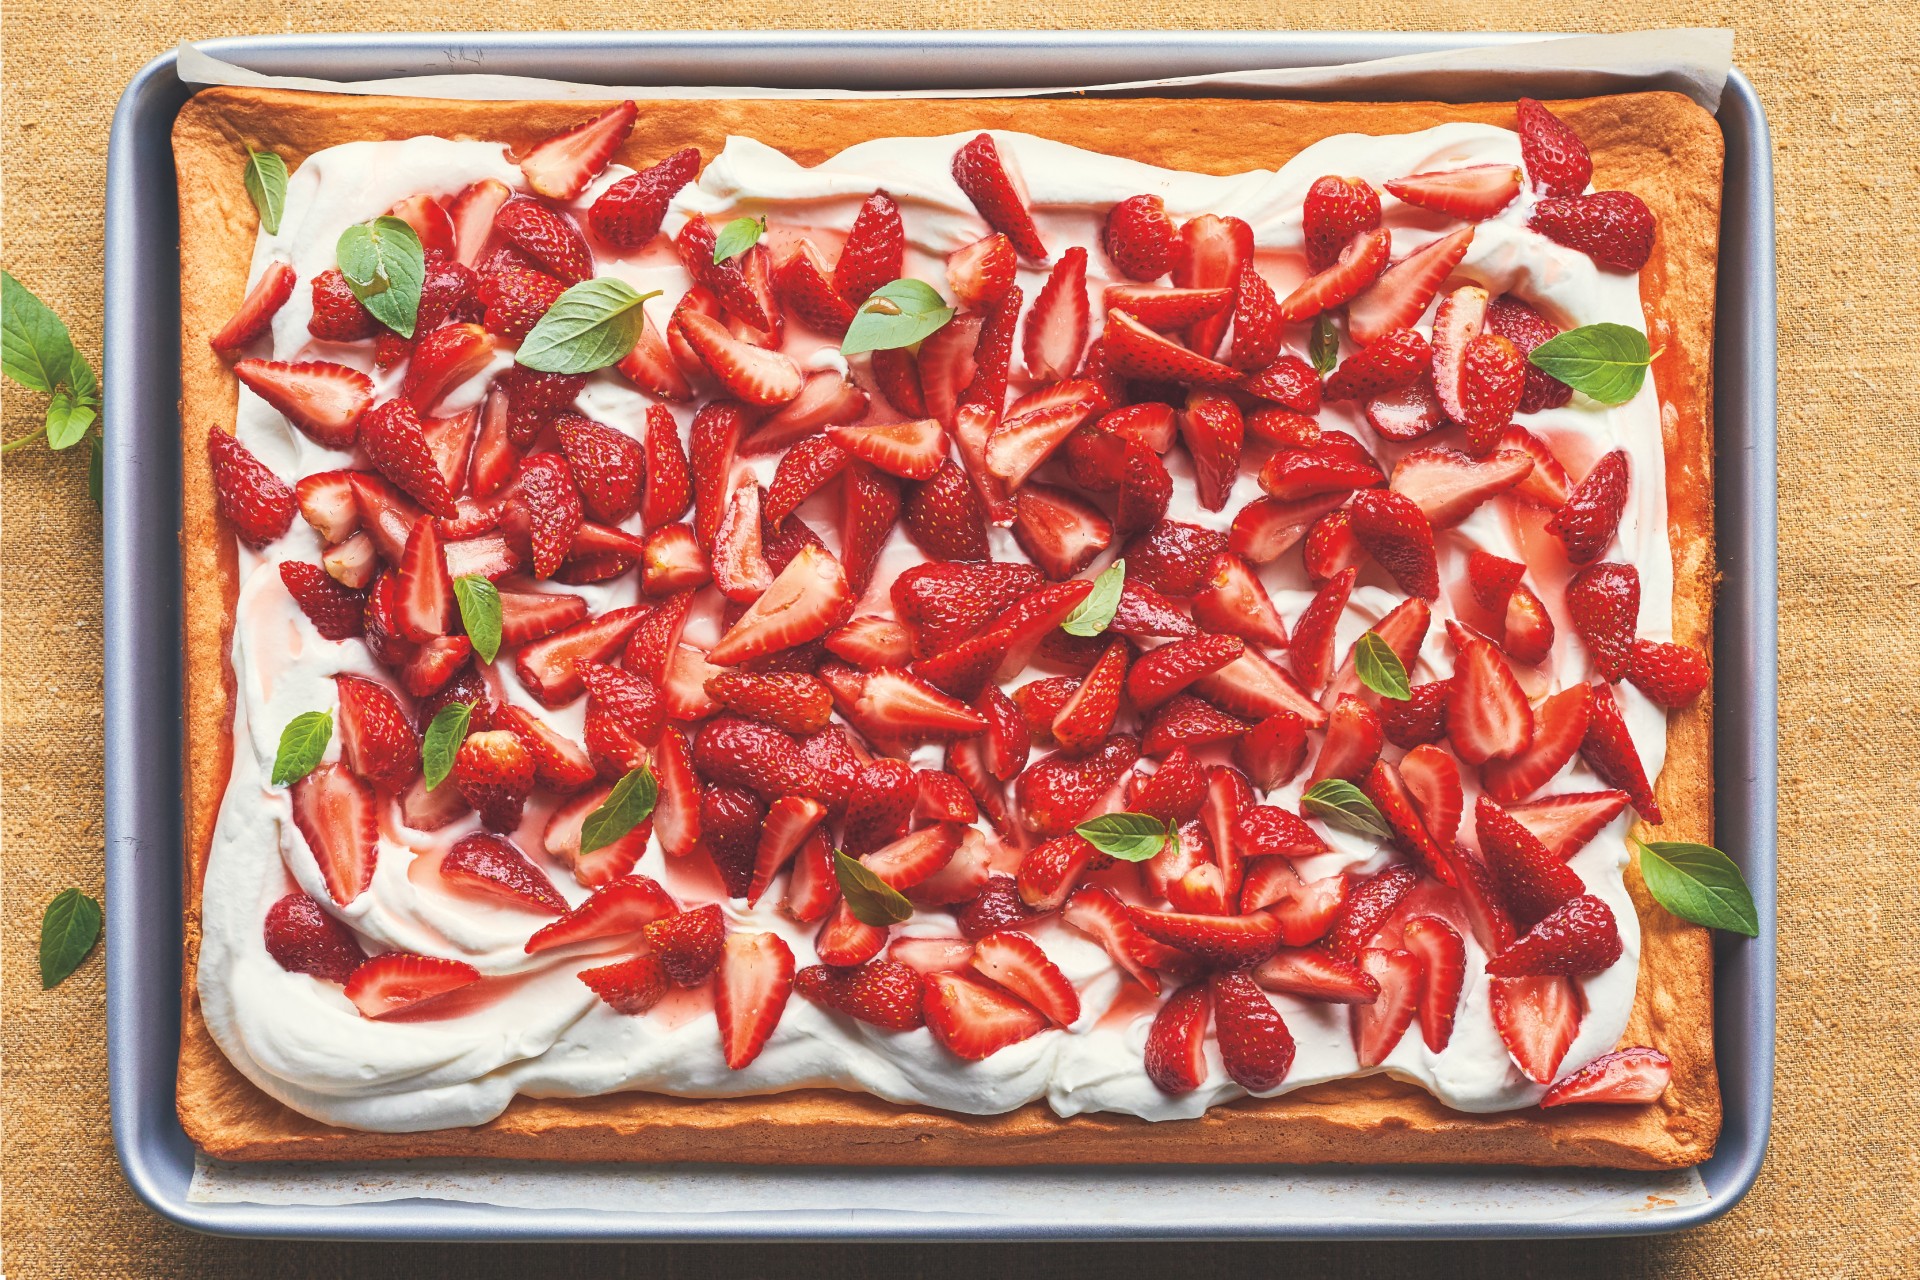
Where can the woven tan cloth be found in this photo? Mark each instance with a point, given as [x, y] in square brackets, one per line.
[1840, 1195]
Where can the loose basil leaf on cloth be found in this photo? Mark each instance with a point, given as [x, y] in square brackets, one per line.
[385, 267]
[737, 237]
[1338, 801]
[871, 900]
[1697, 882]
[441, 742]
[37, 351]
[479, 602]
[1605, 361]
[266, 183]
[302, 743]
[592, 325]
[68, 931]
[1323, 347]
[1095, 614]
[1380, 669]
[629, 803]
[895, 315]
[1130, 837]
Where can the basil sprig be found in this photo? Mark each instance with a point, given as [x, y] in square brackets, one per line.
[441, 742]
[737, 237]
[37, 351]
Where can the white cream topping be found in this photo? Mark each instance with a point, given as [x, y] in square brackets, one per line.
[299, 1039]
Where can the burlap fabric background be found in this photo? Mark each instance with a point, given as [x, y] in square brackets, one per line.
[1840, 1195]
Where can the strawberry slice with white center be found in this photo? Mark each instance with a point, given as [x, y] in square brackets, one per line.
[1252, 686]
[400, 982]
[808, 599]
[430, 221]
[844, 940]
[1448, 487]
[980, 274]
[908, 707]
[1475, 193]
[269, 293]
[947, 363]
[1537, 1019]
[560, 167]
[1487, 714]
[323, 399]
[1433, 780]
[1213, 252]
[1059, 531]
[1315, 973]
[992, 182]
[671, 561]
[740, 567]
[1399, 298]
[546, 667]
[351, 563]
[425, 591]
[872, 642]
[974, 1020]
[1631, 1076]
[1305, 912]
[526, 616]
[327, 503]
[490, 865]
[1565, 824]
[1560, 725]
[1214, 433]
[751, 989]
[917, 856]
[471, 215]
[335, 813]
[1016, 962]
[748, 372]
[1135, 351]
[1548, 484]
[1267, 528]
[1255, 1045]
[1219, 940]
[558, 761]
[1378, 1027]
[931, 955]
[619, 908]
[1176, 1053]
[651, 365]
[1443, 959]
[1235, 602]
[910, 450]
[1101, 916]
[789, 821]
[1461, 317]
[444, 359]
[1167, 310]
[1056, 325]
[1051, 871]
[1359, 265]
[1028, 436]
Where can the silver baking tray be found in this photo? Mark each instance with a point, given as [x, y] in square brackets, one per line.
[143, 690]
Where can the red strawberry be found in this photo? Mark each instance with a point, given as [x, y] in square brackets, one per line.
[1673, 675]
[258, 503]
[1369, 906]
[396, 981]
[1487, 715]
[1398, 536]
[1529, 631]
[980, 274]
[871, 642]
[669, 488]
[533, 398]
[334, 812]
[1352, 743]
[1213, 431]
[1087, 716]
[1214, 252]
[945, 604]
[1056, 327]
[793, 701]
[870, 504]
[1614, 228]
[255, 316]
[606, 464]
[621, 907]
[1250, 685]
[323, 399]
[553, 508]
[395, 439]
[1135, 351]
[1565, 823]
[1419, 719]
[1378, 1027]
[1526, 328]
[1170, 668]
[1406, 414]
[1314, 973]
[729, 823]
[1609, 749]
[327, 502]
[335, 611]
[844, 941]
[1268, 831]
[303, 938]
[489, 865]
[1336, 210]
[1449, 486]
[1256, 323]
[945, 364]
[1140, 239]
[1560, 726]
[470, 214]
[1055, 793]
[423, 591]
[1311, 653]
[993, 354]
[1186, 720]
[689, 944]
[1060, 532]
[1175, 791]
[884, 993]
[1359, 265]
[1167, 310]
[1394, 360]
[671, 561]
[1226, 941]
[1291, 382]
[631, 986]
[1537, 1019]
[560, 167]
[377, 740]
[994, 187]
[1474, 193]
[875, 248]
[515, 297]
[911, 450]
[1255, 1045]
[553, 242]
[1557, 161]
[944, 516]
[338, 315]
[910, 708]
[805, 285]
[998, 906]
[651, 364]
[628, 214]
[547, 666]
[1331, 547]
[1493, 376]
[1443, 956]
[1174, 558]
[1399, 298]
[1176, 1056]
[494, 773]
[1016, 962]
[974, 1020]
[1456, 324]
[1632, 1076]
[1578, 937]
[754, 982]
[1533, 882]
[750, 373]
[1603, 601]
[896, 373]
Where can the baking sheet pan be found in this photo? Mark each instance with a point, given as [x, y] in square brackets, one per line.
[475, 1202]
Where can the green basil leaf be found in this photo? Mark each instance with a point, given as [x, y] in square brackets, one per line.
[36, 350]
[266, 183]
[1130, 837]
[737, 237]
[479, 602]
[385, 267]
[1323, 348]
[67, 420]
[1605, 361]
[441, 742]
[1338, 801]
[629, 803]
[1095, 614]
[592, 325]
[68, 931]
[302, 743]
[871, 900]
[96, 473]
[1697, 882]
[1380, 668]
[895, 315]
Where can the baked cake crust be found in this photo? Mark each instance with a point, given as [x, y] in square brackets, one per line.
[1661, 146]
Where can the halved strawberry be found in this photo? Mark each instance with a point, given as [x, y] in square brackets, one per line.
[336, 611]
[751, 990]
[1056, 793]
[1524, 326]
[254, 500]
[1251, 685]
[974, 1020]
[1537, 1019]
[1097, 913]
[1266, 528]
[1493, 377]
[1433, 780]
[789, 821]
[911, 450]
[335, 813]
[1059, 531]
[1136, 351]
[1167, 310]
[873, 252]
[323, 399]
[1015, 961]
[1399, 298]
[631, 986]
[1306, 911]
[470, 214]
[1673, 675]
[621, 907]
[1032, 432]
[1378, 1027]
[979, 274]
[748, 372]
[1448, 487]
[1566, 823]
[1213, 252]
[1165, 671]
[1608, 748]
[1056, 327]
[1230, 941]
[884, 993]
[1255, 338]
[303, 938]
[560, 167]
[1255, 1045]
[491, 866]
[1487, 714]
[870, 503]
[1087, 716]
[1533, 882]
[1456, 325]
[1443, 957]
[628, 214]
[1560, 725]
[1633, 1076]
[1603, 600]
[268, 294]
[494, 773]
[351, 563]
[1558, 163]
[1314, 973]
[807, 599]
[377, 741]
[526, 616]
[1336, 209]
[1576, 938]
[1614, 228]
[912, 709]
[1176, 1058]
[398, 981]
[1213, 431]
[395, 439]
[547, 666]
[1352, 743]
[1475, 193]
[1399, 537]
[1359, 265]
[1311, 653]
[424, 589]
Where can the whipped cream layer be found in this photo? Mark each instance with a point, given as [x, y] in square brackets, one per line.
[541, 1032]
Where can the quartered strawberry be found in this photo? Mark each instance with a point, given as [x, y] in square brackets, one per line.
[1292, 383]
[1456, 324]
[994, 187]
[607, 465]
[1406, 414]
[1378, 1027]
[398, 981]
[1056, 793]
[1673, 675]
[526, 616]
[651, 365]
[1015, 961]
[910, 450]
[945, 364]
[1143, 613]
[689, 944]
[845, 941]
[874, 250]
[1167, 310]
[1577, 938]
[546, 667]
[1487, 714]
[1175, 791]
[1631, 1076]
[1035, 427]
[1399, 298]
[751, 989]
[998, 906]
[1566, 823]
[1268, 831]
[1474, 193]
[423, 591]
[1252, 686]
[806, 600]
[1421, 718]
[804, 282]
[944, 515]
[1331, 547]
[494, 774]
[884, 993]
[1526, 328]
[1392, 797]
[1305, 911]
[1443, 957]
[303, 938]
[748, 372]
[1352, 743]
[334, 811]
[974, 1020]
[470, 214]
[740, 568]
[1167, 670]
[942, 605]
[1557, 162]
[1185, 720]
[1176, 1058]
[1359, 265]
[1603, 600]
[560, 167]
[628, 214]
[338, 315]
[1532, 881]
[336, 611]
[993, 354]
[1336, 210]
[554, 510]
[395, 440]
[669, 486]
[1614, 228]
[1311, 653]
[1227, 797]
[1560, 725]
[793, 701]
[1255, 339]
[729, 822]
[377, 741]
[258, 503]
[491, 866]
[1368, 906]
[1493, 377]
[1315, 973]
[323, 399]
[631, 986]
[547, 237]
[1394, 360]
[533, 397]
[1448, 486]
[1608, 748]
[1140, 239]
[1399, 537]
[255, 316]
[870, 503]
[1060, 532]
[1213, 431]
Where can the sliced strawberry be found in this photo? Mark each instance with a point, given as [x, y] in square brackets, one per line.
[377, 741]
[1399, 537]
[1537, 1019]
[1673, 675]
[1087, 716]
[1533, 882]
[945, 517]
[1056, 327]
[1251, 685]
[336, 611]
[1227, 796]
[323, 399]
[754, 982]
[1311, 653]
[914, 710]
[1140, 239]
[1560, 725]
[547, 666]
[896, 372]
[1256, 323]
[1359, 265]
[808, 599]
[1493, 378]
[1577, 938]
[1558, 163]
[488, 865]
[631, 986]
[1393, 361]
[1399, 298]
[1443, 957]
[526, 616]
[1268, 831]
[1631, 1076]
[399, 982]
[1456, 324]
[258, 504]
[1228, 941]
[979, 274]
[1025, 439]
[789, 821]
[1167, 670]
[425, 591]
[993, 184]
[826, 400]
[651, 365]
[912, 450]
[1174, 558]
[1378, 1027]
[1566, 823]
[1608, 748]
[628, 214]
[1474, 193]
[1487, 714]
[255, 316]
[1214, 432]
[1213, 253]
[930, 955]
[395, 439]
[1060, 532]
[1055, 793]
[1305, 911]
[1433, 780]
[1603, 600]
[471, 214]
[1522, 325]
[1314, 973]
[1449, 486]
[885, 993]
[1143, 613]
[1614, 228]
[1187, 721]
[1352, 743]
[560, 167]
[1015, 961]
[870, 503]
[1255, 1045]
[974, 1020]
[620, 908]
[494, 774]
[1136, 351]
[746, 371]
[1167, 310]
[335, 814]
[1176, 1058]
[1101, 916]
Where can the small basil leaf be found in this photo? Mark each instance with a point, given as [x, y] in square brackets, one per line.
[479, 602]
[1697, 882]
[1323, 348]
[36, 350]
[1338, 801]
[441, 742]
[895, 315]
[385, 267]
[629, 803]
[1095, 614]
[68, 931]
[266, 183]
[871, 900]
[592, 325]
[737, 237]
[1380, 668]
[67, 420]
[302, 743]
[1605, 361]
[1130, 837]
